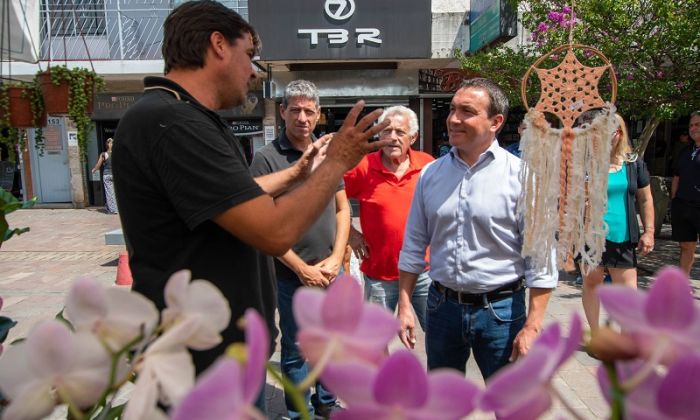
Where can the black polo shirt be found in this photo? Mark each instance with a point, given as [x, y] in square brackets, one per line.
[176, 165]
[317, 243]
[687, 169]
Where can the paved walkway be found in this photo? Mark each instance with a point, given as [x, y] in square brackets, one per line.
[38, 267]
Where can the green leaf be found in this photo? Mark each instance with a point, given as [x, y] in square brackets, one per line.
[11, 232]
[6, 325]
[111, 413]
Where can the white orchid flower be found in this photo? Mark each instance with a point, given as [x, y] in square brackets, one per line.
[196, 313]
[53, 365]
[115, 315]
[197, 310]
[165, 374]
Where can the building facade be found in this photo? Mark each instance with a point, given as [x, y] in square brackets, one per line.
[384, 52]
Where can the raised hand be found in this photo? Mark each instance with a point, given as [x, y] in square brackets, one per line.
[351, 142]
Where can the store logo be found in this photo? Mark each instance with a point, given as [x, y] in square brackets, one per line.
[340, 9]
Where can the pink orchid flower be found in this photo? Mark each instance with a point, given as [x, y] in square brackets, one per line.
[678, 393]
[228, 390]
[399, 389]
[115, 315]
[664, 321]
[52, 366]
[523, 390]
[338, 325]
[640, 402]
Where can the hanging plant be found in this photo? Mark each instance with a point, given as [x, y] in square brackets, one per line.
[21, 106]
[81, 84]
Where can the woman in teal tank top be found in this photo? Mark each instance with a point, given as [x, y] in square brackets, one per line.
[628, 190]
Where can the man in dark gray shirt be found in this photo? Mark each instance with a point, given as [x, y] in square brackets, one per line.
[316, 259]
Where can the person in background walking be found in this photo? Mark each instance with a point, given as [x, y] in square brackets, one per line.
[104, 162]
[628, 190]
[685, 193]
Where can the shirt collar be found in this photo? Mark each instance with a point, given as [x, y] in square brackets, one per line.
[156, 81]
[375, 161]
[150, 82]
[493, 152]
[287, 145]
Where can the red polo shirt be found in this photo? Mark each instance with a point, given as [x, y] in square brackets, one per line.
[384, 205]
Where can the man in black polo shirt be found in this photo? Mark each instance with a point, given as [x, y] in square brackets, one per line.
[185, 195]
[316, 259]
[685, 191]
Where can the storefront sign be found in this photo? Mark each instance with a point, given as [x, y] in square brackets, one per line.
[490, 21]
[246, 127]
[342, 29]
[112, 106]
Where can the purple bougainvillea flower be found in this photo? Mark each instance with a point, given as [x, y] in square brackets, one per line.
[566, 9]
[399, 389]
[664, 321]
[337, 324]
[228, 390]
[542, 27]
[678, 393]
[555, 16]
[640, 403]
[522, 390]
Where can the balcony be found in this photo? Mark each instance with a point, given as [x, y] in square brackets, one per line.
[99, 30]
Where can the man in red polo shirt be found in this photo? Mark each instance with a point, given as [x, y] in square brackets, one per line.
[383, 183]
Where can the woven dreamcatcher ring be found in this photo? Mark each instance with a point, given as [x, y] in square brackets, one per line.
[571, 88]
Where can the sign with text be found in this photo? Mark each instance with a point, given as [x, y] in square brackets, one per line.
[246, 127]
[490, 21]
[342, 29]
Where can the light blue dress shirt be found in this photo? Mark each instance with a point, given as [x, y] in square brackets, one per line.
[468, 216]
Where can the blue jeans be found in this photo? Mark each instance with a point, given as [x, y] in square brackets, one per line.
[293, 363]
[454, 330]
[386, 293]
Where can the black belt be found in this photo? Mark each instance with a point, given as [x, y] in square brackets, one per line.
[501, 293]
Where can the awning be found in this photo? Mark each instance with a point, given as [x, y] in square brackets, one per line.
[20, 39]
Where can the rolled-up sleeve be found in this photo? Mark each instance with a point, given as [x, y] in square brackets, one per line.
[544, 279]
[416, 238]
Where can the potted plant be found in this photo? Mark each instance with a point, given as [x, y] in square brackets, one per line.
[71, 92]
[21, 106]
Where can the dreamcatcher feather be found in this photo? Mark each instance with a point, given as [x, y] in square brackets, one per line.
[564, 196]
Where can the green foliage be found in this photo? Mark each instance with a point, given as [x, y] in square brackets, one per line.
[82, 85]
[8, 204]
[9, 136]
[653, 45]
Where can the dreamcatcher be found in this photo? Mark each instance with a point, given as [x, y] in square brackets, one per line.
[565, 185]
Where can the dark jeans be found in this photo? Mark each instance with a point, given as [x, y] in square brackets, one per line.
[454, 330]
[293, 363]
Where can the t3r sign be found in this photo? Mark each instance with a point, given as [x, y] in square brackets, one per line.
[342, 29]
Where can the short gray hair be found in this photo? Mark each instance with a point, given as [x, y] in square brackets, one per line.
[695, 114]
[301, 89]
[406, 113]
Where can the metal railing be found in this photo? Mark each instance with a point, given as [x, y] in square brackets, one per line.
[108, 29]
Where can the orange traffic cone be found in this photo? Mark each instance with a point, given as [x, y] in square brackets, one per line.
[123, 270]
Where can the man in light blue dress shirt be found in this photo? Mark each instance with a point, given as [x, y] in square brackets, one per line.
[465, 208]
